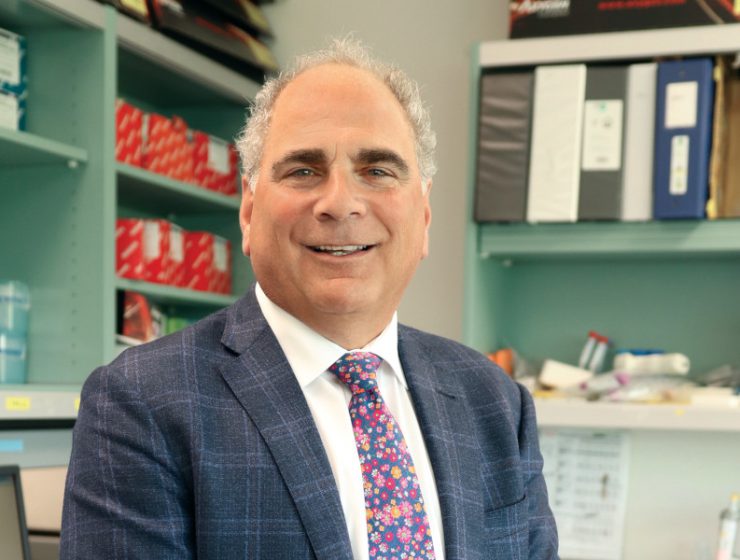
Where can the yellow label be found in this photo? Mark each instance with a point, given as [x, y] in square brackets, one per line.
[17, 403]
[77, 404]
[138, 6]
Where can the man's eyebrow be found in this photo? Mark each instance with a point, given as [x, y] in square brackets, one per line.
[379, 155]
[307, 157]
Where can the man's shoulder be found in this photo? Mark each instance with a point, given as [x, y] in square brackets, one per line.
[440, 350]
[439, 346]
[204, 334]
[167, 363]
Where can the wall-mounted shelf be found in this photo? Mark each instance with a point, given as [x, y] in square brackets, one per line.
[688, 238]
[43, 402]
[18, 148]
[175, 296]
[625, 45]
[162, 195]
[189, 74]
[632, 416]
[35, 14]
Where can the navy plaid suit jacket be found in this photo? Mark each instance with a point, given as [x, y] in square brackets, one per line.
[201, 445]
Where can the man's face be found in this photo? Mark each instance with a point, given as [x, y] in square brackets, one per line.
[338, 221]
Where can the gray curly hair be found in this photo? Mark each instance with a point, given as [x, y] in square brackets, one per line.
[351, 52]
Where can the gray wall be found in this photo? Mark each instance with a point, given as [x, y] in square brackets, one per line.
[433, 42]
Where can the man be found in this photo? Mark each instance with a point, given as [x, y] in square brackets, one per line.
[303, 421]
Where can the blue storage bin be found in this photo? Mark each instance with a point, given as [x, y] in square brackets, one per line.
[15, 304]
[12, 359]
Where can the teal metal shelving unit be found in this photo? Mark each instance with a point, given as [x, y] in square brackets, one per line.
[541, 287]
[62, 189]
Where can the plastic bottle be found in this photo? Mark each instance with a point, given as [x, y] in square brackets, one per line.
[728, 547]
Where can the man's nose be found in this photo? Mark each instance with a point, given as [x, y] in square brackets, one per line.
[340, 197]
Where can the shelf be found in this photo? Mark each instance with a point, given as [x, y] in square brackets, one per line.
[682, 41]
[43, 402]
[189, 74]
[25, 14]
[610, 240]
[175, 296]
[19, 148]
[633, 416]
[162, 195]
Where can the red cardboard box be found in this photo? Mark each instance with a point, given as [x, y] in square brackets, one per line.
[142, 249]
[198, 260]
[216, 163]
[221, 277]
[128, 133]
[182, 151]
[538, 18]
[167, 148]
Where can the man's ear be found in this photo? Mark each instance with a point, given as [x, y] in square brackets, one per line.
[245, 214]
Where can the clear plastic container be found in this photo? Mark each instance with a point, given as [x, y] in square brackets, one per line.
[15, 304]
[12, 359]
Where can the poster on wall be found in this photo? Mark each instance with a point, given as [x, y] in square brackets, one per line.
[586, 474]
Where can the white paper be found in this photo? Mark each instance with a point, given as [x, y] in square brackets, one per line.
[10, 67]
[218, 155]
[176, 244]
[681, 104]
[586, 474]
[219, 254]
[679, 179]
[151, 240]
[602, 135]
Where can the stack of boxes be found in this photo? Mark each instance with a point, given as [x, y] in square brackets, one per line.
[13, 80]
[167, 146]
[158, 251]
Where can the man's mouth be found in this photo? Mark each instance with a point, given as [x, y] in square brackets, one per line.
[340, 250]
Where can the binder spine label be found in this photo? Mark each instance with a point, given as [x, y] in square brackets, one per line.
[602, 135]
[682, 101]
[679, 165]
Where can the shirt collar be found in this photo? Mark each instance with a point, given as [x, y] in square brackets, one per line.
[310, 354]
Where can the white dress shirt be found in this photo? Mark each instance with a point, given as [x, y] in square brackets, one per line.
[310, 355]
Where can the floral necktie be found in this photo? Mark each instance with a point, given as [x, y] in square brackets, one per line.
[397, 523]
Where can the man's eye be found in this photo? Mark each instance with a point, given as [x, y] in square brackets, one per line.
[377, 172]
[302, 172]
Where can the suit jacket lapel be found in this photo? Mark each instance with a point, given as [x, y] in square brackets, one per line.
[445, 422]
[266, 387]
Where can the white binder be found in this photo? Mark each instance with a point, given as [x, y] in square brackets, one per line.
[554, 166]
[637, 188]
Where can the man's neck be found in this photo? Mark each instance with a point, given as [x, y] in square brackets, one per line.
[348, 330]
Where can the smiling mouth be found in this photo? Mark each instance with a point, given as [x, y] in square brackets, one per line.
[340, 250]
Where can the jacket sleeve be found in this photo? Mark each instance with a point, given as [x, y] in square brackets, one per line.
[543, 536]
[125, 497]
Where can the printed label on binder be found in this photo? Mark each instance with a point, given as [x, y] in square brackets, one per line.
[602, 135]
[681, 104]
[679, 165]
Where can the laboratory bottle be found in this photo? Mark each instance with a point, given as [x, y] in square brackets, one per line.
[728, 547]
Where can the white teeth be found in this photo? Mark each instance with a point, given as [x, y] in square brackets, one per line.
[340, 250]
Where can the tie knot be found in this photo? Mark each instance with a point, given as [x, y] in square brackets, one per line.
[357, 370]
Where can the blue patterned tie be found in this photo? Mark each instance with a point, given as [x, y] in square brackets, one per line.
[397, 523]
